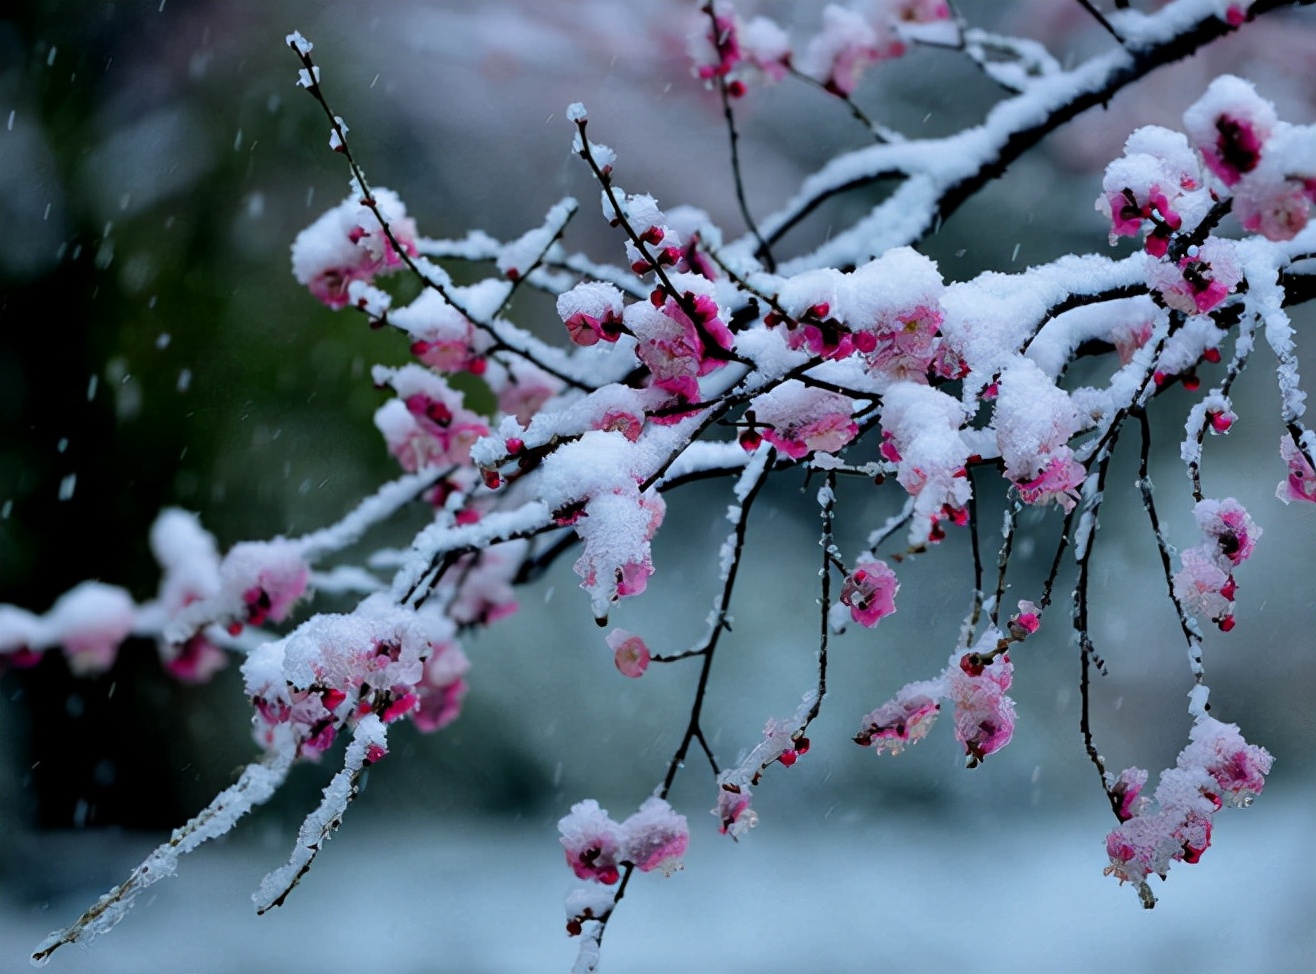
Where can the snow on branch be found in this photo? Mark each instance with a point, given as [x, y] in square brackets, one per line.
[687, 358]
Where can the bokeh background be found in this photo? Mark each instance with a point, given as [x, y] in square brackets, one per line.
[156, 160]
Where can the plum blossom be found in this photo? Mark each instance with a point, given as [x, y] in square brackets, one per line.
[733, 813]
[1200, 280]
[592, 842]
[655, 837]
[1275, 198]
[892, 305]
[870, 592]
[592, 312]
[442, 337]
[441, 687]
[1217, 768]
[90, 621]
[427, 425]
[1205, 584]
[1301, 482]
[1229, 125]
[846, 45]
[266, 578]
[1153, 185]
[1058, 481]
[922, 426]
[347, 244]
[333, 670]
[903, 720]
[799, 419]
[984, 715]
[723, 46]
[617, 527]
[629, 653]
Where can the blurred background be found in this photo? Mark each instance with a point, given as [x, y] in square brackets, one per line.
[156, 160]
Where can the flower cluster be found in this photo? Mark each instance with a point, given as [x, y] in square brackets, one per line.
[974, 682]
[1216, 769]
[335, 669]
[655, 837]
[1205, 584]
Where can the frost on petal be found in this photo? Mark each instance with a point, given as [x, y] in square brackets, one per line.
[617, 528]
[1059, 481]
[1238, 768]
[1034, 419]
[923, 428]
[1201, 583]
[266, 578]
[893, 306]
[845, 46]
[592, 842]
[655, 837]
[870, 592]
[1275, 198]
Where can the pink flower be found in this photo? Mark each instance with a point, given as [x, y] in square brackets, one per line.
[800, 419]
[442, 687]
[91, 621]
[1201, 584]
[734, 815]
[1227, 523]
[348, 244]
[630, 653]
[984, 715]
[1301, 482]
[1059, 481]
[846, 45]
[1229, 125]
[1201, 280]
[1127, 789]
[903, 720]
[592, 842]
[655, 837]
[194, 661]
[592, 312]
[870, 592]
[267, 578]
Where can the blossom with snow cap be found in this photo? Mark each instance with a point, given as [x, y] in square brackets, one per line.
[592, 842]
[1301, 482]
[1229, 125]
[903, 720]
[984, 714]
[799, 419]
[1217, 768]
[1200, 280]
[845, 46]
[348, 244]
